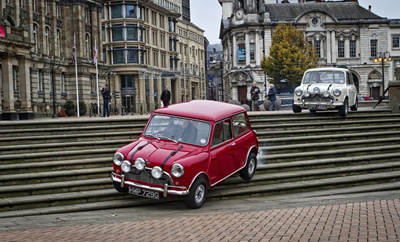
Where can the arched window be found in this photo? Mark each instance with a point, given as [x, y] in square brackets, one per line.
[35, 40]
[87, 46]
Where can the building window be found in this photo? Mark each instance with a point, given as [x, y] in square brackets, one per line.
[133, 55]
[87, 46]
[93, 86]
[46, 7]
[116, 11]
[252, 52]
[374, 47]
[353, 48]
[162, 21]
[130, 11]
[34, 5]
[162, 41]
[155, 38]
[117, 33]
[58, 10]
[87, 15]
[103, 33]
[241, 52]
[317, 46]
[104, 55]
[62, 83]
[35, 40]
[341, 49]
[118, 54]
[47, 47]
[40, 81]
[132, 32]
[155, 58]
[22, 3]
[153, 18]
[396, 41]
[15, 77]
[58, 43]
[163, 61]
[127, 81]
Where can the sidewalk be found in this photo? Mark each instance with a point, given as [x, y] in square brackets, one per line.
[376, 220]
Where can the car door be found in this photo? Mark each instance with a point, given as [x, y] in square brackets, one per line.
[351, 89]
[222, 155]
[242, 138]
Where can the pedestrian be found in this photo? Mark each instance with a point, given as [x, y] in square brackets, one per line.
[165, 96]
[272, 98]
[254, 91]
[105, 92]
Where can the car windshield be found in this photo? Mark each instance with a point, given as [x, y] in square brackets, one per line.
[178, 129]
[324, 77]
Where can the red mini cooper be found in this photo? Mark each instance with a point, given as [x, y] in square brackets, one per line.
[185, 149]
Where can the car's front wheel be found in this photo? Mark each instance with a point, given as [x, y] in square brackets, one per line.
[296, 109]
[355, 107]
[118, 187]
[250, 169]
[197, 194]
[344, 109]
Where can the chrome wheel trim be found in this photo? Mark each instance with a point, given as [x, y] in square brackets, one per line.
[251, 167]
[199, 194]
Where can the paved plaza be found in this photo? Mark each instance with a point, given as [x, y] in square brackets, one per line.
[351, 217]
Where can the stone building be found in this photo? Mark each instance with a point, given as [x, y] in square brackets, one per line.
[36, 49]
[343, 34]
[149, 47]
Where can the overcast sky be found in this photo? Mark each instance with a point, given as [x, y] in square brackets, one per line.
[206, 14]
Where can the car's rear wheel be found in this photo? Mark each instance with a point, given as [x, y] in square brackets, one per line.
[296, 109]
[250, 169]
[118, 187]
[344, 109]
[197, 194]
[355, 107]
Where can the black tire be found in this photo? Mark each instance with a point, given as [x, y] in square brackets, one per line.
[197, 195]
[355, 107]
[250, 169]
[296, 109]
[118, 187]
[343, 110]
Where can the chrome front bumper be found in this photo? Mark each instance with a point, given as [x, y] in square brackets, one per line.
[165, 191]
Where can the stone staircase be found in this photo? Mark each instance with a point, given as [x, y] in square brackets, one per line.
[64, 165]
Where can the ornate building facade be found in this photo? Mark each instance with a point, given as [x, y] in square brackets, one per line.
[150, 47]
[36, 54]
[343, 34]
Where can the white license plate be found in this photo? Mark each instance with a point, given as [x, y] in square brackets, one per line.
[317, 107]
[144, 193]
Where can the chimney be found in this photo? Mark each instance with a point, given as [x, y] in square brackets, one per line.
[370, 8]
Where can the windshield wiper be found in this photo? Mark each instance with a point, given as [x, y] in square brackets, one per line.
[168, 138]
[153, 136]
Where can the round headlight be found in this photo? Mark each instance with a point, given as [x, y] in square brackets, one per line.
[157, 172]
[177, 170]
[336, 92]
[126, 166]
[326, 94]
[140, 164]
[316, 90]
[298, 92]
[306, 94]
[118, 158]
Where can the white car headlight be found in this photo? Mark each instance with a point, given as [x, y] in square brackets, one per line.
[177, 170]
[337, 92]
[306, 94]
[126, 166]
[140, 164]
[298, 92]
[326, 94]
[157, 172]
[118, 158]
[316, 90]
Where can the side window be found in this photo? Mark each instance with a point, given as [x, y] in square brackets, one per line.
[348, 80]
[222, 132]
[240, 124]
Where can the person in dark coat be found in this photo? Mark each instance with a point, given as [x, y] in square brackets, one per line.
[272, 97]
[254, 91]
[165, 96]
[105, 92]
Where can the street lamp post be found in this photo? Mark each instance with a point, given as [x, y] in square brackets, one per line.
[384, 57]
[52, 65]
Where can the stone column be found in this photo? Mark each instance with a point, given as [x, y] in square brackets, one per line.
[347, 48]
[8, 89]
[258, 49]
[25, 89]
[328, 48]
[247, 43]
[234, 50]
[334, 51]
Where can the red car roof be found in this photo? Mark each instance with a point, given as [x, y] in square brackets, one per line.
[202, 109]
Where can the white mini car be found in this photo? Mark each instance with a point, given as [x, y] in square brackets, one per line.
[326, 88]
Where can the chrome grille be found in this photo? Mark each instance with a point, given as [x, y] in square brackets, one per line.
[145, 176]
[318, 99]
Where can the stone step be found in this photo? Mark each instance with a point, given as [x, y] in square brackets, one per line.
[328, 138]
[344, 130]
[324, 154]
[305, 146]
[67, 146]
